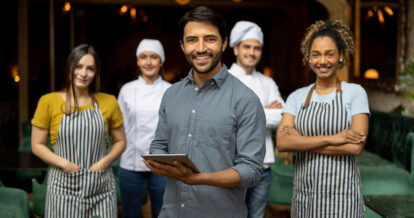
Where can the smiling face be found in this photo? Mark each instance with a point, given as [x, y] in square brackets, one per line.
[324, 57]
[149, 64]
[248, 54]
[84, 72]
[203, 46]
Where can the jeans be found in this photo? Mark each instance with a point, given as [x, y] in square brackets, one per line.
[256, 197]
[132, 185]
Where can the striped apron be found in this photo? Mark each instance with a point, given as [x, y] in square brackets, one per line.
[325, 185]
[81, 140]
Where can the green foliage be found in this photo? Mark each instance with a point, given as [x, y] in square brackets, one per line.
[406, 81]
[398, 110]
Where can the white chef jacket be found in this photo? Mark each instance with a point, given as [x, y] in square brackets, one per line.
[139, 103]
[267, 91]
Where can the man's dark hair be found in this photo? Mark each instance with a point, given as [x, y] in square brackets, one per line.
[205, 15]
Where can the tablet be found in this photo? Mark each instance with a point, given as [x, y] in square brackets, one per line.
[169, 158]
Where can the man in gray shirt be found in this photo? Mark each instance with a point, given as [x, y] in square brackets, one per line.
[214, 119]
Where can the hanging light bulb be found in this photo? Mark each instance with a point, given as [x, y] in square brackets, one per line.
[182, 2]
[145, 19]
[15, 73]
[370, 14]
[267, 71]
[380, 17]
[388, 10]
[123, 10]
[371, 74]
[133, 13]
[66, 7]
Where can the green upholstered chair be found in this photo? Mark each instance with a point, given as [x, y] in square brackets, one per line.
[39, 196]
[282, 183]
[14, 203]
[25, 144]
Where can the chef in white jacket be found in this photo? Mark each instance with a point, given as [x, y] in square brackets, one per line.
[246, 39]
[140, 101]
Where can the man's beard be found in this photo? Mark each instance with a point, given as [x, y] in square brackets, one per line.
[212, 66]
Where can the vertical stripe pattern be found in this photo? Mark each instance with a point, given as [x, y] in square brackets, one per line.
[81, 140]
[325, 185]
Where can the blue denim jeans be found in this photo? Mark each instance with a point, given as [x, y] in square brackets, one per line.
[256, 197]
[132, 185]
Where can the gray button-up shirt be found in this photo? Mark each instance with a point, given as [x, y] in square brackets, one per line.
[220, 125]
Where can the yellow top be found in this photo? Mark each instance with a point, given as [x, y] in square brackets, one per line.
[51, 108]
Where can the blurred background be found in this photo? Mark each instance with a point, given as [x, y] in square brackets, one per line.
[37, 36]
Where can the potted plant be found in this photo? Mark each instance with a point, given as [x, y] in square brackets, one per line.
[406, 85]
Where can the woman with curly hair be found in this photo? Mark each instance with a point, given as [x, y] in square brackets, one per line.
[326, 123]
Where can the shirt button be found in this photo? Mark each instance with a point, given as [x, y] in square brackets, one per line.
[193, 111]
[182, 205]
[196, 88]
[190, 135]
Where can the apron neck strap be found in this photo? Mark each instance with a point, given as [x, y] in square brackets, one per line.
[67, 105]
[338, 89]
[68, 100]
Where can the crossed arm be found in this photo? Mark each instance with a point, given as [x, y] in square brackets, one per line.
[347, 142]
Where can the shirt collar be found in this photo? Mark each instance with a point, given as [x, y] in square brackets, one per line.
[239, 71]
[142, 81]
[218, 78]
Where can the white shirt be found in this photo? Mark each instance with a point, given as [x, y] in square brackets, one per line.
[139, 103]
[267, 91]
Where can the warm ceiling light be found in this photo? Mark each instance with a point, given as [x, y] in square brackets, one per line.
[66, 7]
[123, 9]
[371, 74]
[15, 74]
[133, 13]
[17, 79]
[380, 16]
[182, 2]
[237, 1]
[145, 19]
[388, 10]
[370, 13]
[267, 72]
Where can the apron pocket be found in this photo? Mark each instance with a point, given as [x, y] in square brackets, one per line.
[96, 182]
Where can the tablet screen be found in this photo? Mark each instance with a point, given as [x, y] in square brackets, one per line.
[169, 158]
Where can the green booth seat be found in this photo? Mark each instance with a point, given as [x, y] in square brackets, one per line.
[14, 202]
[26, 146]
[381, 177]
[39, 196]
[282, 183]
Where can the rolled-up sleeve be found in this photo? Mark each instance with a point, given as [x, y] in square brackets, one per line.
[250, 142]
[273, 115]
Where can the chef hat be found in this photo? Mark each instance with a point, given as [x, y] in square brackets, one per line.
[151, 45]
[245, 30]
